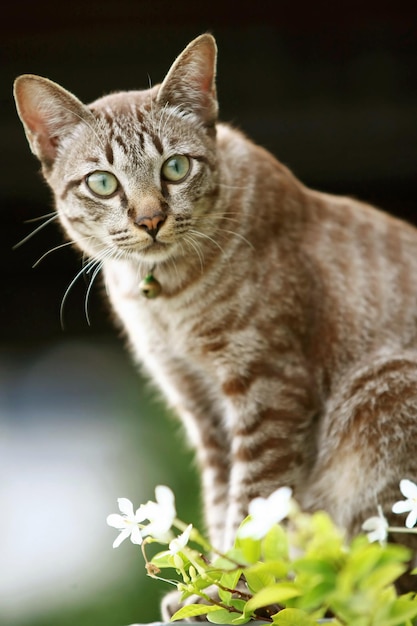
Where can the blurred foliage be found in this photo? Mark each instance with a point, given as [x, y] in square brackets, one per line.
[157, 435]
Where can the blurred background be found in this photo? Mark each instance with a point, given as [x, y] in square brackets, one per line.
[332, 92]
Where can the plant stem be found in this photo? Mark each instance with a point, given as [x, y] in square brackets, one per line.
[400, 529]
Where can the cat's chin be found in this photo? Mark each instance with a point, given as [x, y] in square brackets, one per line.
[156, 253]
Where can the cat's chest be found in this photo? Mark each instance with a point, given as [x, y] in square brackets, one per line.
[163, 325]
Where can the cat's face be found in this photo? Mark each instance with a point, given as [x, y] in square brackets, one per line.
[134, 172]
[136, 181]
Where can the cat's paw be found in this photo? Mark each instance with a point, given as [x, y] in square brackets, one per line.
[172, 602]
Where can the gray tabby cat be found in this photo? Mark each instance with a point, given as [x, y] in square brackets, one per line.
[279, 322]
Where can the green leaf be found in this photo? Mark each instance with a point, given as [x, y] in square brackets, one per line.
[192, 610]
[315, 567]
[325, 540]
[275, 544]
[229, 580]
[315, 597]
[293, 617]
[225, 563]
[201, 582]
[403, 609]
[249, 548]
[274, 594]
[275, 569]
[242, 619]
[222, 616]
[258, 576]
[383, 576]
[163, 559]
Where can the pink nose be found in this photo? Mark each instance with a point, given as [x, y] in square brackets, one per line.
[151, 224]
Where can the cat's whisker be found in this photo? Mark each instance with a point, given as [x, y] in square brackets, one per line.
[90, 265]
[215, 216]
[232, 186]
[39, 218]
[152, 103]
[161, 117]
[224, 230]
[171, 110]
[68, 289]
[62, 245]
[34, 232]
[41, 258]
[198, 233]
[240, 236]
[171, 261]
[197, 249]
[97, 270]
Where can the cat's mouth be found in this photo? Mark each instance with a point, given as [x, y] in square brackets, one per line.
[155, 251]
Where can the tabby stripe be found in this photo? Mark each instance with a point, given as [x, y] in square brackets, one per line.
[139, 141]
[120, 141]
[298, 382]
[390, 368]
[91, 204]
[156, 142]
[109, 154]
[69, 186]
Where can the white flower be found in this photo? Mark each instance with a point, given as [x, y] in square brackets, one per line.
[128, 523]
[376, 527]
[265, 513]
[160, 514]
[179, 543]
[409, 490]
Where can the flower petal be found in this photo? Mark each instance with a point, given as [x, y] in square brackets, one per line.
[177, 544]
[411, 520]
[279, 500]
[248, 529]
[116, 521]
[371, 523]
[136, 536]
[402, 506]
[140, 514]
[376, 527]
[257, 507]
[283, 494]
[125, 506]
[164, 495]
[408, 489]
[124, 534]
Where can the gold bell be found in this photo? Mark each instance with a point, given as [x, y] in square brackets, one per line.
[150, 287]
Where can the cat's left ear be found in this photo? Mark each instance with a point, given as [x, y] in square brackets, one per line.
[190, 83]
[48, 113]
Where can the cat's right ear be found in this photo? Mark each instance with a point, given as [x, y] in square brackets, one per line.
[191, 82]
[48, 112]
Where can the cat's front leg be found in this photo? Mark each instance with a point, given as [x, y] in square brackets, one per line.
[189, 395]
[210, 442]
[271, 420]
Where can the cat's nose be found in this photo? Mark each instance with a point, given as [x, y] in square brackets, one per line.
[151, 224]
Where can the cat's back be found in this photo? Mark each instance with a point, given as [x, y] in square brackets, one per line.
[364, 262]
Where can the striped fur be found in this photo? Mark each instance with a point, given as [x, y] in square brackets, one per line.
[286, 332]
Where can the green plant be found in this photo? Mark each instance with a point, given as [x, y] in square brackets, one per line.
[291, 574]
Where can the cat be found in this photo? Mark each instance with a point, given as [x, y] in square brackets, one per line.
[279, 322]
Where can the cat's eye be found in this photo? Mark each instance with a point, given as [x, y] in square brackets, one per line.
[102, 183]
[176, 168]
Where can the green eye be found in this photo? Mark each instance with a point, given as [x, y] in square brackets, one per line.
[176, 168]
[102, 183]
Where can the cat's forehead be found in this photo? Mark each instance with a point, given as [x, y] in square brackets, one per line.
[123, 102]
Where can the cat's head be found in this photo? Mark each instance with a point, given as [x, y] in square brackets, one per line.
[132, 171]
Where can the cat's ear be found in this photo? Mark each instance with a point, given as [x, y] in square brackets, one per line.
[48, 112]
[190, 83]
